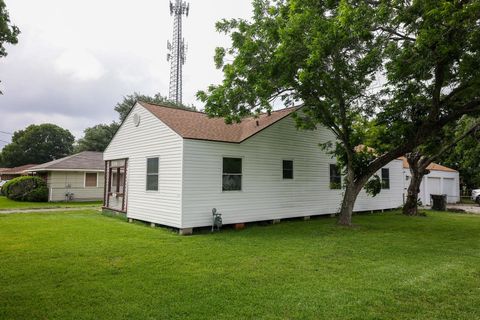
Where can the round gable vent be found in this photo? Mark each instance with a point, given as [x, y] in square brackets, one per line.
[136, 119]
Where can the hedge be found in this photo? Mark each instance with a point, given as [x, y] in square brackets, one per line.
[26, 188]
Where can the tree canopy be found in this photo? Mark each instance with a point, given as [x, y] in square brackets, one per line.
[96, 138]
[123, 107]
[8, 32]
[412, 66]
[465, 156]
[37, 144]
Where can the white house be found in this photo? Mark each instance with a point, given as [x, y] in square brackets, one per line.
[440, 180]
[180, 164]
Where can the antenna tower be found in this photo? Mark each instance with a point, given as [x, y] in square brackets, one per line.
[177, 50]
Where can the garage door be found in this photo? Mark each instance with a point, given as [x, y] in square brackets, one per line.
[433, 187]
[449, 189]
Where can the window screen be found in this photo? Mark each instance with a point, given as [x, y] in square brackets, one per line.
[287, 169]
[90, 179]
[232, 174]
[385, 178]
[335, 177]
[152, 174]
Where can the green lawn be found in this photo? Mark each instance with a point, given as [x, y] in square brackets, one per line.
[82, 265]
[7, 204]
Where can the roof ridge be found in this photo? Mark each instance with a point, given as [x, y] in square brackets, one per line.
[197, 125]
[204, 113]
[170, 107]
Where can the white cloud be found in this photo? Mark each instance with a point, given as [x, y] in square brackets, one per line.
[78, 58]
[79, 64]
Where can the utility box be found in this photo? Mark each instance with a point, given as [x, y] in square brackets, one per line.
[439, 202]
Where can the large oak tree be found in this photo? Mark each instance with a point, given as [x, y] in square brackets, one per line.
[324, 55]
[422, 156]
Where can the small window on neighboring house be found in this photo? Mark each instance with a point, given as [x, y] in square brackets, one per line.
[335, 177]
[287, 169]
[385, 178]
[232, 174]
[152, 174]
[90, 179]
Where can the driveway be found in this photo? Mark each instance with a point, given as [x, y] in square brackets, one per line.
[472, 208]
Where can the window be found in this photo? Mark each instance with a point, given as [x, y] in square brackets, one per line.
[90, 179]
[335, 177]
[152, 174]
[385, 178]
[232, 174]
[115, 178]
[287, 169]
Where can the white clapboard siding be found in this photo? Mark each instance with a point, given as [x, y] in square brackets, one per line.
[61, 182]
[265, 195]
[151, 138]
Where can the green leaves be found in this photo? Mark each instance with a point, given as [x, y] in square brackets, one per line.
[37, 144]
[8, 32]
[391, 73]
[96, 138]
[373, 186]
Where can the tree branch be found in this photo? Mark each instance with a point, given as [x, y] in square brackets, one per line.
[473, 128]
[395, 33]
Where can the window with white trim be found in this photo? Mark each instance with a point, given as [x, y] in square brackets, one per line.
[335, 177]
[232, 174]
[152, 174]
[90, 179]
[287, 168]
[385, 178]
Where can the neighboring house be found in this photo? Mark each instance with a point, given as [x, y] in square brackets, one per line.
[180, 164]
[10, 173]
[78, 177]
[440, 180]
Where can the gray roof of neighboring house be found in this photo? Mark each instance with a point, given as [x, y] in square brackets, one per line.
[83, 161]
[17, 170]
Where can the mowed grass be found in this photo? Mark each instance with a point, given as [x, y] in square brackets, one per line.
[7, 204]
[82, 265]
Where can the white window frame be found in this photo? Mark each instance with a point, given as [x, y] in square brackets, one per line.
[329, 178]
[293, 170]
[241, 174]
[146, 174]
[381, 178]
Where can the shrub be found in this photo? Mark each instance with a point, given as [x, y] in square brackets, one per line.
[3, 191]
[26, 188]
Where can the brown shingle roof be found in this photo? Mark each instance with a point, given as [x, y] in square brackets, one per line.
[197, 125]
[17, 170]
[86, 160]
[431, 166]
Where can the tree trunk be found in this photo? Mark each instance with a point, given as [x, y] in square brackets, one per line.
[418, 169]
[346, 211]
[349, 198]
[411, 205]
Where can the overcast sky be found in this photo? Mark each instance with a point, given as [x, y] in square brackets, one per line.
[76, 59]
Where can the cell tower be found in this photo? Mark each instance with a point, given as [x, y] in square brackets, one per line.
[177, 50]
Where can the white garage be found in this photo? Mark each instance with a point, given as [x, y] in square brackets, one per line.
[440, 180]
